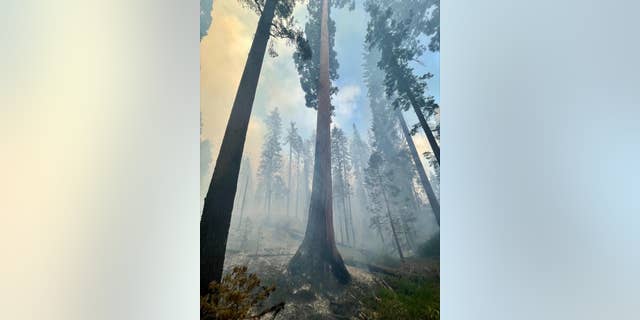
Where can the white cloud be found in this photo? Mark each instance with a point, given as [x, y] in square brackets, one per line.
[346, 101]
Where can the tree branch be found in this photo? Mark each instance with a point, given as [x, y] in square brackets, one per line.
[258, 6]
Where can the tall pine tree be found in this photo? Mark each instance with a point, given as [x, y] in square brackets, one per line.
[271, 159]
[397, 49]
[341, 173]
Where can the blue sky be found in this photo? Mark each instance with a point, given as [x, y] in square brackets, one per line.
[351, 27]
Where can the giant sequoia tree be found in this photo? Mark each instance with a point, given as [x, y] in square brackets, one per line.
[276, 20]
[317, 257]
[397, 49]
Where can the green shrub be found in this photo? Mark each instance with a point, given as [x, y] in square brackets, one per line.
[407, 299]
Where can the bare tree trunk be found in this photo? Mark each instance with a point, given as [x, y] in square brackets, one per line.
[423, 122]
[266, 196]
[346, 219]
[289, 179]
[339, 223]
[353, 231]
[269, 196]
[407, 234]
[393, 228]
[416, 207]
[298, 187]
[379, 227]
[344, 231]
[426, 184]
[218, 204]
[362, 206]
[348, 208]
[244, 199]
[318, 257]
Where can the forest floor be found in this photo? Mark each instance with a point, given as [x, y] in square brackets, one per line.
[381, 288]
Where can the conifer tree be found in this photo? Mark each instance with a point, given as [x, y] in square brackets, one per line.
[299, 150]
[341, 172]
[424, 180]
[359, 156]
[378, 182]
[271, 159]
[397, 49]
[389, 145]
[292, 141]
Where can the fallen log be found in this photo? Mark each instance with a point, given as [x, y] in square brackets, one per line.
[374, 268]
[269, 255]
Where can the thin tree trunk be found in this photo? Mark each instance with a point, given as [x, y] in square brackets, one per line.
[423, 122]
[218, 204]
[416, 207]
[342, 219]
[297, 182]
[289, 178]
[362, 205]
[426, 184]
[379, 227]
[318, 256]
[407, 234]
[348, 209]
[346, 220]
[353, 231]
[393, 228]
[266, 197]
[345, 223]
[305, 203]
[244, 199]
[269, 196]
[344, 203]
[339, 223]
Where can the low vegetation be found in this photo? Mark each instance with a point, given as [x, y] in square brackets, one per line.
[236, 297]
[431, 248]
[402, 298]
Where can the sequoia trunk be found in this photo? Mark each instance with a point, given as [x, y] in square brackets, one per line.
[317, 257]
